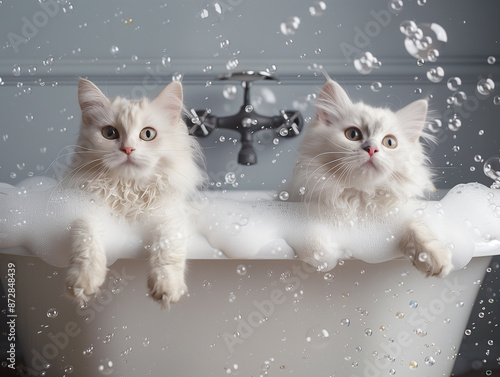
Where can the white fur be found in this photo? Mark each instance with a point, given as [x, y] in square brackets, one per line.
[153, 184]
[340, 180]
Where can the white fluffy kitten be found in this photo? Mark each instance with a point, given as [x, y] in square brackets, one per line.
[137, 156]
[357, 161]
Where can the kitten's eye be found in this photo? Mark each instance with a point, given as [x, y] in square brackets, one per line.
[110, 133]
[390, 142]
[353, 134]
[148, 134]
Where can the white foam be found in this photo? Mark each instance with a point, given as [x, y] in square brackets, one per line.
[36, 215]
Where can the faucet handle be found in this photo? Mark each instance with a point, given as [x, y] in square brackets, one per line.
[292, 123]
[201, 122]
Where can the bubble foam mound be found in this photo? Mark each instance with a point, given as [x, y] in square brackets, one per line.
[36, 217]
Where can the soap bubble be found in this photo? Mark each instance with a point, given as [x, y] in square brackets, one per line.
[435, 125]
[284, 195]
[16, 70]
[345, 322]
[114, 50]
[413, 304]
[397, 5]
[485, 86]
[454, 83]
[424, 41]
[68, 369]
[368, 332]
[454, 124]
[459, 98]
[230, 178]
[478, 158]
[317, 337]
[290, 26]
[429, 360]
[241, 270]
[496, 100]
[400, 315]
[317, 8]
[491, 60]
[435, 74]
[106, 367]
[52, 313]
[365, 62]
[232, 64]
[492, 170]
[177, 76]
[413, 364]
[376, 86]
[166, 61]
[229, 92]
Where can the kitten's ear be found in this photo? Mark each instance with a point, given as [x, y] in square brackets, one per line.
[93, 102]
[170, 101]
[332, 103]
[412, 118]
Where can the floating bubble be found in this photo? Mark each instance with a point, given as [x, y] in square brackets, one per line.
[435, 125]
[435, 74]
[177, 76]
[492, 169]
[283, 132]
[424, 40]
[328, 276]
[106, 367]
[283, 196]
[290, 26]
[496, 99]
[224, 44]
[114, 50]
[454, 83]
[413, 364]
[368, 332]
[365, 62]
[376, 86]
[459, 98]
[68, 369]
[478, 158]
[88, 351]
[317, 8]
[230, 178]
[52, 313]
[485, 86]
[317, 337]
[413, 304]
[400, 315]
[232, 64]
[16, 70]
[166, 61]
[491, 60]
[397, 5]
[429, 360]
[229, 92]
[345, 322]
[241, 270]
[420, 62]
[454, 124]
[455, 148]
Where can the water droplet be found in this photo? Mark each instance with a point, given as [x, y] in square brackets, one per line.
[397, 5]
[68, 369]
[290, 26]
[423, 257]
[376, 86]
[276, 141]
[491, 60]
[232, 64]
[222, 139]
[478, 158]
[105, 367]
[490, 342]
[166, 61]
[429, 360]
[492, 168]
[435, 74]
[241, 270]
[52, 313]
[368, 332]
[485, 86]
[468, 332]
[454, 124]
[454, 83]
[413, 304]
[16, 70]
[317, 8]
[455, 148]
[284, 195]
[317, 337]
[114, 50]
[345, 322]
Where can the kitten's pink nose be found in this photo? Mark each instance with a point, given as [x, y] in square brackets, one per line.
[127, 150]
[371, 150]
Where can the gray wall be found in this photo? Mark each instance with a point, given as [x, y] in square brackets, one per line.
[55, 42]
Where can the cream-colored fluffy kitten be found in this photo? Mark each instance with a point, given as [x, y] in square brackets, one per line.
[137, 156]
[357, 161]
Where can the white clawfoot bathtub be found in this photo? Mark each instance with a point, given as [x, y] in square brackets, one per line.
[271, 314]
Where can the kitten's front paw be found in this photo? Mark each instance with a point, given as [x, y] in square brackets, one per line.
[82, 285]
[428, 254]
[166, 284]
